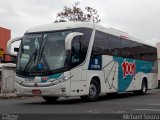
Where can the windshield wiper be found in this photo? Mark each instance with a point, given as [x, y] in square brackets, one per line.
[33, 58]
[42, 56]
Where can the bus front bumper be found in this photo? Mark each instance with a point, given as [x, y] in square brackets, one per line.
[58, 90]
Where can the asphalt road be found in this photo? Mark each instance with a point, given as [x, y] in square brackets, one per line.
[120, 104]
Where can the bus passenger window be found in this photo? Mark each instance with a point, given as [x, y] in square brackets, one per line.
[114, 45]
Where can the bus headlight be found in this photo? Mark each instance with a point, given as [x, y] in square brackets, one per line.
[57, 81]
[67, 77]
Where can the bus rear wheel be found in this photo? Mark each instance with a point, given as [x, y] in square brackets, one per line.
[143, 90]
[50, 99]
[94, 91]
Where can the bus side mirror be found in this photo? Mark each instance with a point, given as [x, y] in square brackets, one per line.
[69, 38]
[13, 46]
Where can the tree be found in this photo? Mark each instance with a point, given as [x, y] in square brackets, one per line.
[75, 13]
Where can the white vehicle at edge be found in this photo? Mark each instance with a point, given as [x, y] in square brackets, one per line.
[83, 59]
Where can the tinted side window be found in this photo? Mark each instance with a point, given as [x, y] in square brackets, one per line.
[126, 48]
[149, 53]
[143, 52]
[114, 45]
[136, 47]
[100, 45]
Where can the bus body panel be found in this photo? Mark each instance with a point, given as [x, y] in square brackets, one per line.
[115, 78]
[110, 70]
[116, 74]
[56, 90]
[78, 85]
[24, 86]
[152, 77]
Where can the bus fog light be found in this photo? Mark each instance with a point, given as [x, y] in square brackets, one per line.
[63, 89]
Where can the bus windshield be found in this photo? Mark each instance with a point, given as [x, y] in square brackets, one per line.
[42, 52]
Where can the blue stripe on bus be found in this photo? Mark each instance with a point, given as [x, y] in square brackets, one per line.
[55, 76]
[126, 77]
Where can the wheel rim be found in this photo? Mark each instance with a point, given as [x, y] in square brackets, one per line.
[92, 91]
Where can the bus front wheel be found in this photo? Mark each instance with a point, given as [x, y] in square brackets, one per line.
[50, 99]
[94, 91]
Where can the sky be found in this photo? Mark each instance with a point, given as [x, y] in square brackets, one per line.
[138, 18]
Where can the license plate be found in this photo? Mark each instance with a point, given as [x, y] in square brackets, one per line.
[36, 91]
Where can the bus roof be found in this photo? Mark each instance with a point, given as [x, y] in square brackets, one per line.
[60, 26]
[70, 25]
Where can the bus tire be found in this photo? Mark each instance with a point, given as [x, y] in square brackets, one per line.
[94, 91]
[49, 99]
[143, 90]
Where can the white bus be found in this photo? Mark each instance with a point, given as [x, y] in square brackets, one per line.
[83, 59]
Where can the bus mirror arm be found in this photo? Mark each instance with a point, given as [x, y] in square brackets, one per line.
[69, 38]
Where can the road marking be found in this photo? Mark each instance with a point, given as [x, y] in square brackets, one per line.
[93, 111]
[121, 112]
[154, 110]
[154, 104]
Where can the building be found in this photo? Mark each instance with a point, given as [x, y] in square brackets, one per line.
[5, 35]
